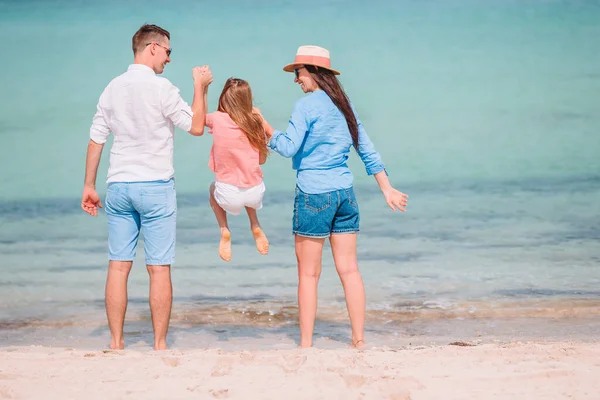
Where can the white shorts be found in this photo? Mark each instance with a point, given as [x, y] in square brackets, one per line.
[233, 199]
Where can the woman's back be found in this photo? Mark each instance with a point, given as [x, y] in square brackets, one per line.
[325, 144]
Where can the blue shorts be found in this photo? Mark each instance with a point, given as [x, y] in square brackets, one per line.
[320, 215]
[149, 207]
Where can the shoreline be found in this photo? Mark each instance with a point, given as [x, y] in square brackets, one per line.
[236, 330]
[517, 370]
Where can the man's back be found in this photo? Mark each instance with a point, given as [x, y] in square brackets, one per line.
[140, 109]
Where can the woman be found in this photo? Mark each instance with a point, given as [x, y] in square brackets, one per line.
[322, 129]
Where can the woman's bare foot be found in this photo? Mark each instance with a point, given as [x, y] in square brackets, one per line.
[262, 243]
[358, 344]
[225, 244]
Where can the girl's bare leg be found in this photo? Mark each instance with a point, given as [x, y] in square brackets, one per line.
[262, 243]
[221, 215]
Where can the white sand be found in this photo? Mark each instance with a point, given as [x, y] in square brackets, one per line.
[529, 371]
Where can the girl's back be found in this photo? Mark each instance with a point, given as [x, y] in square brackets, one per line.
[239, 147]
[233, 159]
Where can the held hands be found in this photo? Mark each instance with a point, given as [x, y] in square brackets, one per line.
[90, 201]
[202, 75]
[395, 199]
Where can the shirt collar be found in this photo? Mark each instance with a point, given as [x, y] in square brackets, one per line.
[140, 67]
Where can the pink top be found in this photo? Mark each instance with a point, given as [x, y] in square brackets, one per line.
[232, 157]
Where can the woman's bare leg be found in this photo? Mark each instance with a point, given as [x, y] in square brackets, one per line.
[309, 252]
[343, 247]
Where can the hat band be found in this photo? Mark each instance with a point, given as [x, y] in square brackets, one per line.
[313, 60]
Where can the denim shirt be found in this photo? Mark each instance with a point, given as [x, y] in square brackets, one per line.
[319, 142]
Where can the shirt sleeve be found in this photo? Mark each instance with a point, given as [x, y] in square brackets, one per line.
[210, 118]
[100, 130]
[366, 151]
[288, 143]
[175, 108]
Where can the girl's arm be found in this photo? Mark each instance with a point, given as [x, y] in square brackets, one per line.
[262, 158]
[206, 104]
[202, 78]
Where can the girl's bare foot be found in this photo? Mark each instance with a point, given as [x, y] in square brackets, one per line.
[262, 243]
[225, 245]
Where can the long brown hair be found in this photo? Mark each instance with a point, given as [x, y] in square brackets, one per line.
[236, 100]
[330, 84]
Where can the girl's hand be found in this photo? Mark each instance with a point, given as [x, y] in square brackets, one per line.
[395, 199]
[266, 126]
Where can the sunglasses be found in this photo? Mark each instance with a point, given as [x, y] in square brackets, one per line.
[296, 72]
[167, 49]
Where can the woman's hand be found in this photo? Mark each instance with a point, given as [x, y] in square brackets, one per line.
[395, 199]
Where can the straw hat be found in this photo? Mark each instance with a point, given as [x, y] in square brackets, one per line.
[311, 55]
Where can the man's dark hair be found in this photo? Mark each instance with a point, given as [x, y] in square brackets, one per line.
[148, 34]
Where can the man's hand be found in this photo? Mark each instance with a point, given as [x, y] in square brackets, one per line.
[202, 76]
[90, 201]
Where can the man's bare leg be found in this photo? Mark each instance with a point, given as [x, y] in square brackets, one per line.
[116, 300]
[221, 215]
[262, 243]
[161, 299]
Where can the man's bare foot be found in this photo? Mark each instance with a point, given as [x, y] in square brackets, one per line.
[262, 243]
[358, 344]
[225, 245]
[120, 345]
[161, 345]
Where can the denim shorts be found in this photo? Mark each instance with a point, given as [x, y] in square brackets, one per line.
[320, 215]
[146, 207]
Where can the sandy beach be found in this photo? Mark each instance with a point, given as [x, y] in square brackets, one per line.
[521, 370]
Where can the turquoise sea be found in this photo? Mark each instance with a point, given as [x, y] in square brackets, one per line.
[485, 112]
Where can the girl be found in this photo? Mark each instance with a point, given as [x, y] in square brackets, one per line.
[239, 148]
[322, 130]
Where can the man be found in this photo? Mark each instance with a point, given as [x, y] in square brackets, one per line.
[141, 109]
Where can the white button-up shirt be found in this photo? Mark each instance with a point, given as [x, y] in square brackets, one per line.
[141, 110]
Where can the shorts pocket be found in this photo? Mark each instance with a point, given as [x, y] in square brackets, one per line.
[295, 216]
[116, 200]
[317, 202]
[351, 197]
[158, 202]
